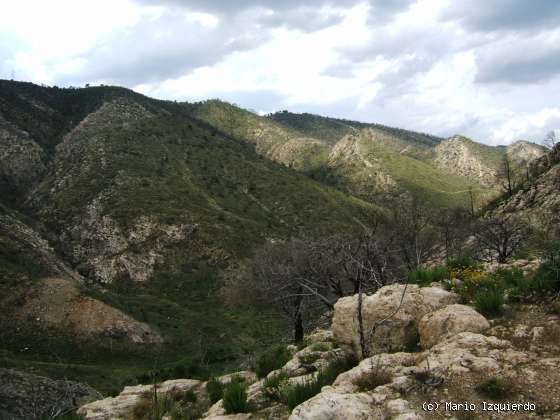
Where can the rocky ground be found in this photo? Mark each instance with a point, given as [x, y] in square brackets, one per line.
[434, 358]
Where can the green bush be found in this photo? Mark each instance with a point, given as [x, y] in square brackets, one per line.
[494, 388]
[300, 392]
[271, 359]
[490, 302]
[512, 277]
[547, 278]
[273, 383]
[309, 358]
[425, 276]
[215, 390]
[190, 396]
[235, 398]
[321, 346]
[461, 262]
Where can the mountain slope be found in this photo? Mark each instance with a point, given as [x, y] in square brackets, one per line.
[145, 206]
[371, 161]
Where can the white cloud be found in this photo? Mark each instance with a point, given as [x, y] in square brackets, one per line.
[490, 72]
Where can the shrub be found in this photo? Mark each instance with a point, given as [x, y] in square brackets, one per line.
[461, 262]
[425, 276]
[309, 358]
[273, 383]
[489, 302]
[547, 277]
[511, 277]
[215, 390]
[300, 392]
[190, 396]
[271, 359]
[142, 408]
[494, 388]
[321, 346]
[235, 398]
[476, 282]
[426, 378]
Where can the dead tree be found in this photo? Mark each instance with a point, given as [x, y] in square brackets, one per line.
[501, 235]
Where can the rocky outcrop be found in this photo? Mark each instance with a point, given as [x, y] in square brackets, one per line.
[24, 396]
[105, 251]
[22, 160]
[464, 353]
[392, 314]
[455, 155]
[448, 321]
[523, 152]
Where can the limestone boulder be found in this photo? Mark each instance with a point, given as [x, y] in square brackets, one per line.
[333, 405]
[471, 352]
[450, 320]
[392, 313]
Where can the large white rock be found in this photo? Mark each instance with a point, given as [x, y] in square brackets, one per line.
[393, 312]
[445, 322]
[332, 405]
[467, 351]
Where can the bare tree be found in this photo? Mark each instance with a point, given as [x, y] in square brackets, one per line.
[550, 140]
[454, 226]
[414, 235]
[506, 174]
[500, 236]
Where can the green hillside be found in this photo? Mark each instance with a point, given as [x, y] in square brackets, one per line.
[149, 205]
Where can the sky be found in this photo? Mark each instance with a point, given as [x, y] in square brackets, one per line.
[486, 69]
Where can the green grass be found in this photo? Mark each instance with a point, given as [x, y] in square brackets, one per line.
[272, 385]
[300, 392]
[425, 276]
[271, 359]
[321, 346]
[461, 262]
[490, 302]
[215, 390]
[235, 398]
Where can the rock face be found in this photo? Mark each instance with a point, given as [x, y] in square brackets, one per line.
[455, 155]
[448, 321]
[523, 152]
[24, 396]
[22, 161]
[406, 303]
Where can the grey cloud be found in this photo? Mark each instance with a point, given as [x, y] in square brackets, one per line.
[305, 19]
[492, 15]
[383, 10]
[308, 16]
[222, 7]
[162, 48]
[518, 62]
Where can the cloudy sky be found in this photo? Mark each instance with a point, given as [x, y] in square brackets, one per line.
[488, 69]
